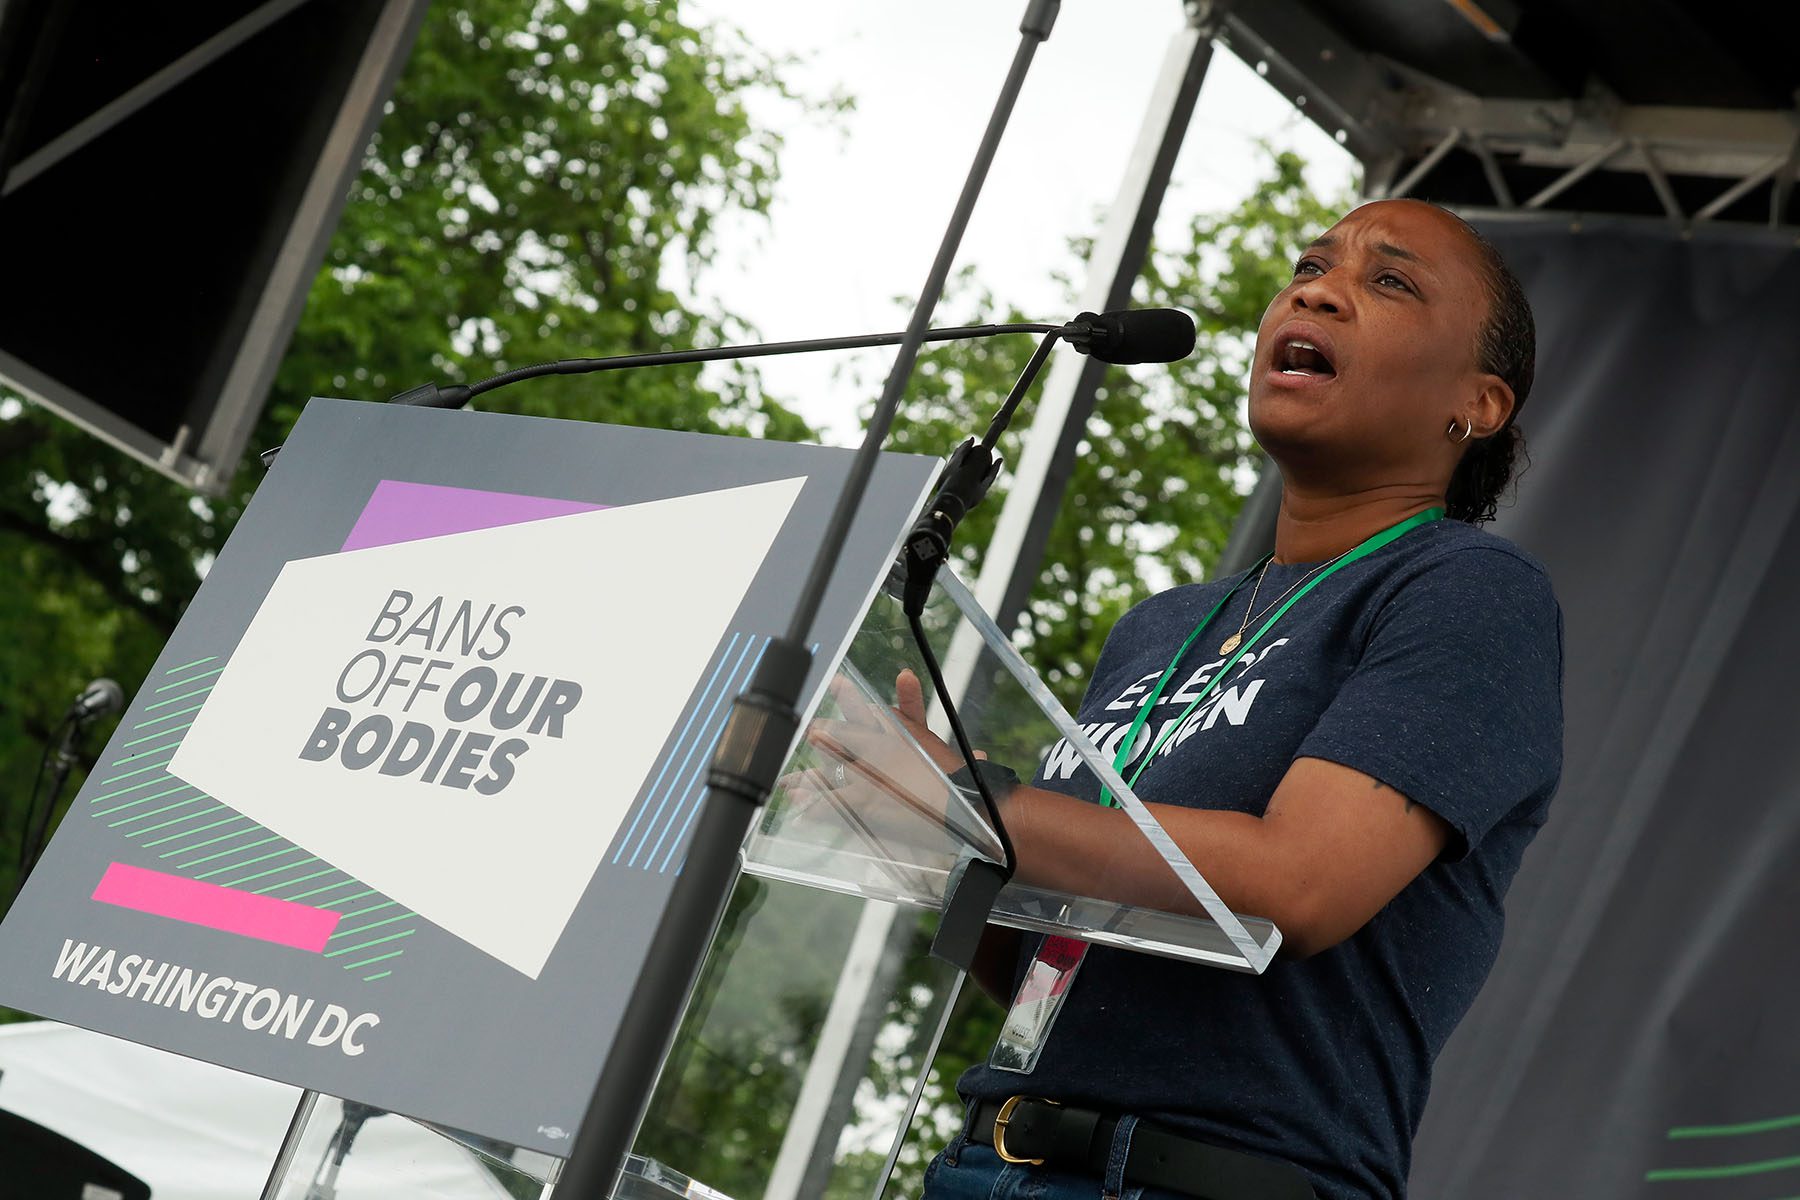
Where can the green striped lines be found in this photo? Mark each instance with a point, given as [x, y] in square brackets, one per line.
[197, 836]
[367, 934]
[1735, 1170]
[152, 751]
[169, 687]
[231, 850]
[235, 852]
[1748, 1127]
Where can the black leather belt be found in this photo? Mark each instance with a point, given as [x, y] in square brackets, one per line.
[1025, 1129]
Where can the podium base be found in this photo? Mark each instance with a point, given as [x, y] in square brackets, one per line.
[337, 1150]
[646, 1179]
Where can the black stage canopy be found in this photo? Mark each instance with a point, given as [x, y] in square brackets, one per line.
[1681, 109]
[169, 177]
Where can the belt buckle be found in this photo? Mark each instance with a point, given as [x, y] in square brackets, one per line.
[1004, 1118]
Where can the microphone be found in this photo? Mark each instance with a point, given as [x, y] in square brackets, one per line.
[101, 697]
[1135, 335]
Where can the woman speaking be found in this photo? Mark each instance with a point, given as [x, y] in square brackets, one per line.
[1374, 801]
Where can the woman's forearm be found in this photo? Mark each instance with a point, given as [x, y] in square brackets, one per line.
[1066, 844]
[1330, 849]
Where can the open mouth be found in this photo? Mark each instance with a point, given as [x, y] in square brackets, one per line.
[1300, 357]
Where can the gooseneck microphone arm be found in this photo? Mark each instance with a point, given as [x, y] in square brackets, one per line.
[432, 395]
[456, 395]
[968, 474]
[763, 722]
[1120, 337]
[1003, 416]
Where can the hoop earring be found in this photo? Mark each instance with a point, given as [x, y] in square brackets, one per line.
[1468, 428]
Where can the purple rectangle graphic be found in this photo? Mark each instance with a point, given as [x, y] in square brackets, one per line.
[407, 512]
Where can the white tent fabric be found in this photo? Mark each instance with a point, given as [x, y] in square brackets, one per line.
[194, 1131]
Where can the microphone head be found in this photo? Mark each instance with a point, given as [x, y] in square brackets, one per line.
[1138, 335]
[102, 697]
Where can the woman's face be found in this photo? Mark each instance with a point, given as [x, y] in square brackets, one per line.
[1367, 355]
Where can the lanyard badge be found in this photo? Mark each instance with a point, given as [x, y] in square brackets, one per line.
[1047, 981]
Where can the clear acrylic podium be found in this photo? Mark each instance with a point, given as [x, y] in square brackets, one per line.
[802, 1066]
[848, 826]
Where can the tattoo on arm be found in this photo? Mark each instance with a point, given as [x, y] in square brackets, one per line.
[1410, 803]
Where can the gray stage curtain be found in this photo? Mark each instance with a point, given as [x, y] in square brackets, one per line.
[1640, 1034]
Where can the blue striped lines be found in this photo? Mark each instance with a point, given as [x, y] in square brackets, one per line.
[667, 809]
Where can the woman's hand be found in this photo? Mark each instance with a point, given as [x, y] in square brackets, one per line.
[909, 707]
[872, 756]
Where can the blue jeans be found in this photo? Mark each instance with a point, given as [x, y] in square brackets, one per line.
[968, 1171]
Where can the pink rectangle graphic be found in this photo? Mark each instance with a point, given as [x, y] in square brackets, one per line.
[262, 917]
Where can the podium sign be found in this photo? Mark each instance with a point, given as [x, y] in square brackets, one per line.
[398, 809]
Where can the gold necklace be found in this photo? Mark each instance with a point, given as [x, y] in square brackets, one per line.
[1235, 640]
[1231, 643]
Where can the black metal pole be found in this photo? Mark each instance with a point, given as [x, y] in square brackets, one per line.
[762, 725]
[37, 819]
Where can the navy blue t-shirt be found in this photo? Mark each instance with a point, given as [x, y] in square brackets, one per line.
[1433, 665]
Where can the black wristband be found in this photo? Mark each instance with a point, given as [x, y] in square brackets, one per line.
[999, 778]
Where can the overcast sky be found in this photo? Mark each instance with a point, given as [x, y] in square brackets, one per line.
[864, 198]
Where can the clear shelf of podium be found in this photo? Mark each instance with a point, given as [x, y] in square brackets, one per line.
[1020, 906]
[865, 809]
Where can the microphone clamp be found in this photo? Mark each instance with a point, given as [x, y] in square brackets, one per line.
[1087, 331]
[967, 477]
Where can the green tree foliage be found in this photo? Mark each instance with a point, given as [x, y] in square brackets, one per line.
[546, 178]
[546, 183]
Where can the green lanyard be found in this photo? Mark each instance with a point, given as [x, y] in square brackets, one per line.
[1368, 547]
